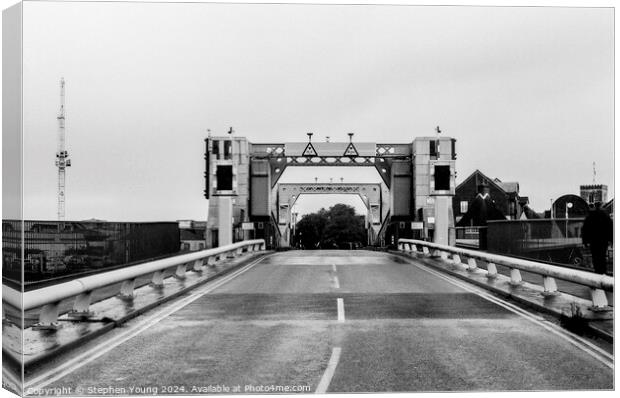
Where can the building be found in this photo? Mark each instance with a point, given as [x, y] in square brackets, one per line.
[593, 193]
[505, 196]
[192, 235]
[569, 206]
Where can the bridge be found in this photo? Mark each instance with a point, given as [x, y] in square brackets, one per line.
[240, 318]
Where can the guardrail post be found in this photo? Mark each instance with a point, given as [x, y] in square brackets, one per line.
[515, 277]
[239, 251]
[425, 251]
[211, 261]
[471, 263]
[48, 317]
[81, 305]
[262, 246]
[158, 279]
[456, 259]
[549, 285]
[127, 288]
[231, 254]
[443, 255]
[197, 265]
[599, 299]
[491, 270]
[180, 271]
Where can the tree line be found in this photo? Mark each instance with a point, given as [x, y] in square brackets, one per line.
[335, 228]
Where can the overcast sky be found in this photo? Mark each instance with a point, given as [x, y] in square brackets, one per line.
[527, 92]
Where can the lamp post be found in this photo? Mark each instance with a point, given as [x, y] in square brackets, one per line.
[569, 205]
[294, 225]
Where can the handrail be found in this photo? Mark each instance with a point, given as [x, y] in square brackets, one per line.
[52, 295]
[598, 283]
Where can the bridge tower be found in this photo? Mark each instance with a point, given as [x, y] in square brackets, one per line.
[226, 188]
[413, 199]
[434, 161]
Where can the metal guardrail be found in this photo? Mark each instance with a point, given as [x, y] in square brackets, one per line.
[598, 284]
[50, 297]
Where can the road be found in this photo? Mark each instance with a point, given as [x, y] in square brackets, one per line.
[334, 321]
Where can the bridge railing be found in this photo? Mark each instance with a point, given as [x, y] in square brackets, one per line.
[598, 284]
[49, 298]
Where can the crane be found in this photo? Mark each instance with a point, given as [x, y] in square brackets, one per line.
[62, 156]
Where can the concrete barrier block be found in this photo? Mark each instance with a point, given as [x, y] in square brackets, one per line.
[127, 288]
[599, 300]
[197, 265]
[82, 304]
[549, 285]
[515, 277]
[456, 259]
[48, 318]
[158, 279]
[491, 270]
[180, 271]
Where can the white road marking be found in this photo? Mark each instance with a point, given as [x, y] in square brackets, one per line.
[336, 282]
[340, 309]
[334, 268]
[329, 372]
[106, 346]
[596, 352]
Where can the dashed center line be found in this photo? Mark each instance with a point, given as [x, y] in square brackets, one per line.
[334, 268]
[340, 303]
[336, 282]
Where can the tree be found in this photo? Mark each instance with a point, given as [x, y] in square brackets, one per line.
[338, 227]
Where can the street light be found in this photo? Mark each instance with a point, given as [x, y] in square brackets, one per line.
[294, 225]
[569, 205]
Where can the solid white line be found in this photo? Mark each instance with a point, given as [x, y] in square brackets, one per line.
[329, 372]
[575, 340]
[557, 330]
[106, 346]
[340, 310]
[336, 282]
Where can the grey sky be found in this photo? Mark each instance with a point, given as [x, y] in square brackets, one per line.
[527, 92]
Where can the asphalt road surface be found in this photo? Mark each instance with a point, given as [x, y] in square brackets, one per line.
[335, 321]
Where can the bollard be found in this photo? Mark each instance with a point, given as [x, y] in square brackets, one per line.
[180, 272]
[471, 264]
[48, 317]
[491, 270]
[515, 277]
[127, 288]
[81, 305]
[599, 299]
[550, 286]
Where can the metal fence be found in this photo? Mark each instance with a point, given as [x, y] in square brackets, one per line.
[556, 241]
[550, 240]
[53, 248]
